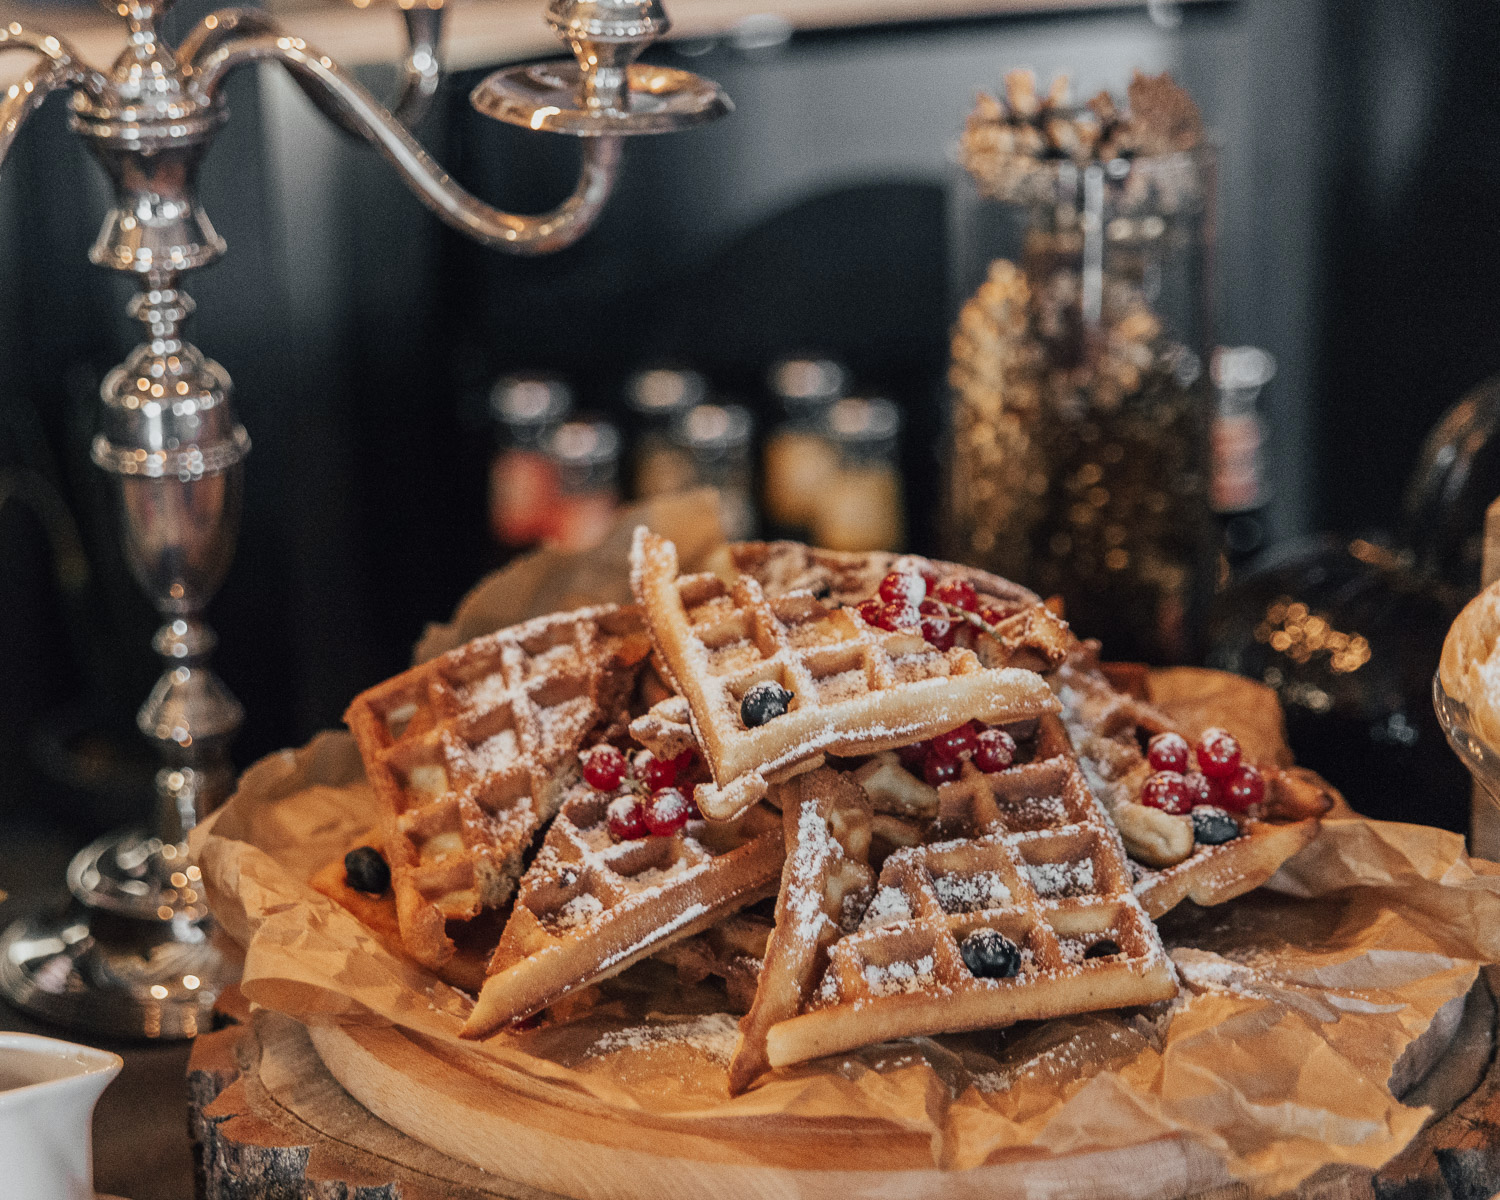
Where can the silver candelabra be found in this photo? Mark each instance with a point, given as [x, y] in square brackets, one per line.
[132, 955]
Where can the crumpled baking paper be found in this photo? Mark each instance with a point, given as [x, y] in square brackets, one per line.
[1296, 1004]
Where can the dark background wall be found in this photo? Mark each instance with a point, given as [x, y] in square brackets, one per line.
[1355, 243]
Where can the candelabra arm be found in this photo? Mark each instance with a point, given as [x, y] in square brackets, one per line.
[421, 70]
[539, 234]
[58, 68]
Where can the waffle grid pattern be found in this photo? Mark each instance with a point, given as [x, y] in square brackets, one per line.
[588, 907]
[1041, 865]
[856, 689]
[467, 754]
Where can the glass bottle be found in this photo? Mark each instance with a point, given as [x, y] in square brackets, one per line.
[860, 506]
[1239, 500]
[799, 455]
[716, 439]
[586, 457]
[657, 399]
[525, 409]
[1080, 456]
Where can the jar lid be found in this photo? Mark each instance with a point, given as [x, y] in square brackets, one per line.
[585, 444]
[864, 421]
[804, 382]
[665, 391]
[715, 429]
[530, 401]
[1235, 368]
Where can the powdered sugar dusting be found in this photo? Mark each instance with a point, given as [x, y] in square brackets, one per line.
[712, 1035]
[899, 978]
[970, 893]
[1062, 879]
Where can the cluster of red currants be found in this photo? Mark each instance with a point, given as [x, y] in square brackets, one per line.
[656, 800]
[941, 759]
[1221, 778]
[907, 601]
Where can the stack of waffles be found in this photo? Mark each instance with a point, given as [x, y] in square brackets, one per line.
[906, 902]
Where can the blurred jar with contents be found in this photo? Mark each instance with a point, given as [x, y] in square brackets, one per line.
[716, 440]
[1080, 453]
[799, 454]
[657, 399]
[586, 457]
[860, 503]
[525, 411]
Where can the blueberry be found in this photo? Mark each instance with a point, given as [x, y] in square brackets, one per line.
[366, 870]
[989, 954]
[1103, 948]
[1212, 826]
[764, 702]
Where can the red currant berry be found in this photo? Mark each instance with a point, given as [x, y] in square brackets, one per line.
[1202, 789]
[1218, 754]
[937, 769]
[684, 761]
[690, 790]
[939, 632]
[955, 743]
[666, 812]
[1168, 791]
[1245, 787]
[604, 767]
[895, 617]
[627, 823]
[913, 756]
[994, 750]
[869, 611]
[655, 772]
[958, 592]
[900, 587]
[1168, 752]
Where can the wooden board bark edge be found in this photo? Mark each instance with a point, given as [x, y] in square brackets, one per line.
[304, 1136]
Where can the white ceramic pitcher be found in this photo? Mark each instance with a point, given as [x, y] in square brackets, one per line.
[47, 1094]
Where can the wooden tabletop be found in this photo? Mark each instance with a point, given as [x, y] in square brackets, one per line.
[486, 32]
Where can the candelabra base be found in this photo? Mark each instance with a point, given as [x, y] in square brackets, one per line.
[130, 955]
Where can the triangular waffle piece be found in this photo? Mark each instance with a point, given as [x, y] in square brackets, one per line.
[1109, 728]
[468, 754]
[1044, 868]
[855, 688]
[825, 886]
[589, 906]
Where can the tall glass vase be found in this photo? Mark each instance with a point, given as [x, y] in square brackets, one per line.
[1080, 408]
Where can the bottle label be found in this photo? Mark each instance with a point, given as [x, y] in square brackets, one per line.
[523, 490]
[1236, 459]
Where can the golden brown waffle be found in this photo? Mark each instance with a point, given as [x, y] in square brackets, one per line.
[1043, 867]
[1109, 728]
[589, 906]
[856, 689]
[839, 577]
[468, 753]
[1029, 635]
[825, 886]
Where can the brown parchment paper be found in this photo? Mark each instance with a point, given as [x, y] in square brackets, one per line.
[1296, 1003]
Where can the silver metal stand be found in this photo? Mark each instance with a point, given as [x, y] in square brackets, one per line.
[131, 956]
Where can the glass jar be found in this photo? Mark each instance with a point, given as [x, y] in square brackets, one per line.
[860, 505]
[716, 440]
[586, 458]
[1080, 460]
[657, 399]
[799, 455]
[525, 410]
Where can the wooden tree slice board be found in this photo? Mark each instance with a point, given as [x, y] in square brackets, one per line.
[270, 1118]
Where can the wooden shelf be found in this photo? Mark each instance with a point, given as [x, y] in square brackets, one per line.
[487, 32]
